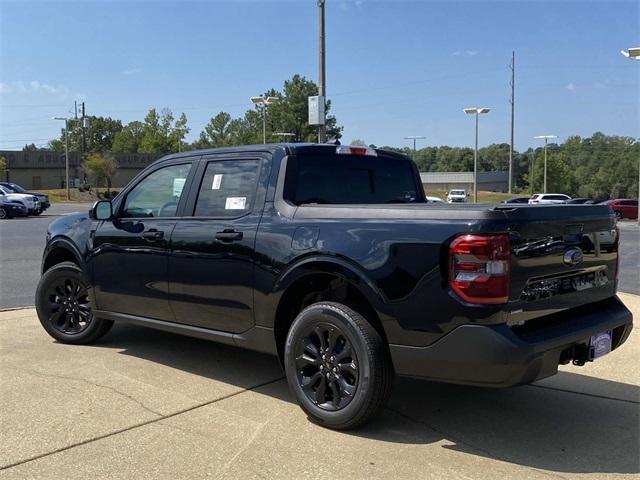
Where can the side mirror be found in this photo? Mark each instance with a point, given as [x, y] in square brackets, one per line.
[101, 210]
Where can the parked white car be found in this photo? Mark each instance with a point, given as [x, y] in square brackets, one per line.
[457, 196]
[28, 200]
[549, 199]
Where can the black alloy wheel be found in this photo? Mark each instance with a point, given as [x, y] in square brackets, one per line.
[327, 367]
[69, 310]
[338, 366]
[3, 213]
[64, 306]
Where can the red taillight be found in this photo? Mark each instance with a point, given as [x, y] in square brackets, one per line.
[479, 270]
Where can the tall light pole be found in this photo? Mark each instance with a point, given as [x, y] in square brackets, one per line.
[476, 112]
[414, 138]
[264, 102]
[634, 54]
[546, 139]
[66, 153]
[322, 80]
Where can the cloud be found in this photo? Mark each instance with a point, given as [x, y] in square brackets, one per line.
[345, 5]
[131, 71]
[571, 87]
[36, 86]
[467, 53]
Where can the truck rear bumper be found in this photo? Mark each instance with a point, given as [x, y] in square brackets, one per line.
[501, 356]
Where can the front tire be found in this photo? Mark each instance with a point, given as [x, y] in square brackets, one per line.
[4, 214]
[63, 306]
[338, 366]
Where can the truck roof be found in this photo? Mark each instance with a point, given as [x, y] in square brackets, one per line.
[285, 148]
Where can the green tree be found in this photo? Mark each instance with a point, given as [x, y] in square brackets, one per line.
[3, 165]
[128, 139]
[289, 114]
[161, 133]
[99, 135]
[101, 168]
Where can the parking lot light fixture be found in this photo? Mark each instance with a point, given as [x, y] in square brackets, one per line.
[263, 103]
[632, 53]
[546, 139]
[66, 152]
[476, 111]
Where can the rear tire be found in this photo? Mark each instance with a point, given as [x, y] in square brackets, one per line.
[338, 366]
[64, 309]
[618, 216]
[4, 214]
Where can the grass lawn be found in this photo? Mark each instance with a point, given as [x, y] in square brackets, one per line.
[57, 195]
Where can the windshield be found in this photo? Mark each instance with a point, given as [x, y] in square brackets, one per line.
[349, 179]
[457, 192]
[15, 188]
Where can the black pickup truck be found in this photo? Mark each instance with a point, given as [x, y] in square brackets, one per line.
[330, 258]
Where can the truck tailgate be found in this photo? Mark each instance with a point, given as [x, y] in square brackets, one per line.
[563, 256]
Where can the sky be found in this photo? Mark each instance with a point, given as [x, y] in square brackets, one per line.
[394, 68]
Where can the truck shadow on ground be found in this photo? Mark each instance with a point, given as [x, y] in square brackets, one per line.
[532, 426]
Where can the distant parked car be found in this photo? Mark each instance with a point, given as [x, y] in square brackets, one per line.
[517, 200]
[9, 209]
[433, 199]
[624, 207]
[548, 199]
[43, 198]
[581, 201]
[457, 196]
[29, 201]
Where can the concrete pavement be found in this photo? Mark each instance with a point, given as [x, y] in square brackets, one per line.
[146, 404]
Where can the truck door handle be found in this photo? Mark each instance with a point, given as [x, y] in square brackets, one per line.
[228, 236]
[152, 235]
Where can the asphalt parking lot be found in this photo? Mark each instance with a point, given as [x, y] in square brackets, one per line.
[22, 241]
[151, 405]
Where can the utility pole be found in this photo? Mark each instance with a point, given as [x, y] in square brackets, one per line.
[84, 139]
[66, 152]
[75, 110]
[512, 101]
[414, 138]
[322, 85]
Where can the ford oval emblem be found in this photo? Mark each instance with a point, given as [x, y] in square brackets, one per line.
[573, 257]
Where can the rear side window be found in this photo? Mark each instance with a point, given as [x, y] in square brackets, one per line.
[555, 197]
[349, 179]
[629, 203]
[228, 188]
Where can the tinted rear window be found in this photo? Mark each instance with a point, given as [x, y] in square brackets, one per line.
[350, 179]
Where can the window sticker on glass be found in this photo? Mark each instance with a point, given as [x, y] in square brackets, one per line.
[217, 180]
[235, 203]
[178, 185]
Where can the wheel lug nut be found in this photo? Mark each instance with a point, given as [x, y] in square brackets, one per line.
[335, 370]
[332, 358]
[328, 375]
